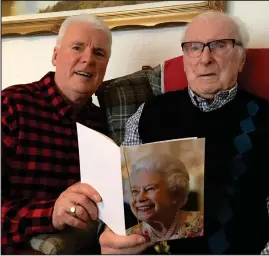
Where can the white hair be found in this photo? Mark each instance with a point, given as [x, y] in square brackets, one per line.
[242, 30]
[240, 25]
[91, 19]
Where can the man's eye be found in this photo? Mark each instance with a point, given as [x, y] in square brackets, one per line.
[99, 53]
[221, 45]
[76, 48]
[195, 48]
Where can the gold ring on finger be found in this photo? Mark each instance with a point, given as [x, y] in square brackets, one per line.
[73, 210]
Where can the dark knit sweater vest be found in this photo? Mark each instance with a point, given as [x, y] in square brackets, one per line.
[236, 168]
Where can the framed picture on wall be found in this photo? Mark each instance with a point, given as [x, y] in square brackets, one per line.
[37, 17]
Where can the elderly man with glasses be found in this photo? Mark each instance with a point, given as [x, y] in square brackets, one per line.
[236, 127]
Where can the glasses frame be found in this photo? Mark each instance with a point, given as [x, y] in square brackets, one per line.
[235, 42]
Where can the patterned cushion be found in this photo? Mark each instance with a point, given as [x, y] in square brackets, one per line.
[122, 96]
[70, 241]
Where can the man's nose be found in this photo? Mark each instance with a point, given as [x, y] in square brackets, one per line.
[88, 56]
[206, 56]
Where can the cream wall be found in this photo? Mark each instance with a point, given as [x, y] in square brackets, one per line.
[26, 59]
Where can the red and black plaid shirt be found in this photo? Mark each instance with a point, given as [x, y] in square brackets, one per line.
[39, 156]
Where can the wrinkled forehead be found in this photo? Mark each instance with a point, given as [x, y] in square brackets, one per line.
[211, 28]
[82, 31]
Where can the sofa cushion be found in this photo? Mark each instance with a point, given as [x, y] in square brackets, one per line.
[254, 77]
[174, 75]
[122, 96]
[70, 241]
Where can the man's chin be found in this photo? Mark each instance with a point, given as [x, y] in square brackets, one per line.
[84, 92]
[84, 89]
[207, 91]
[206, 94]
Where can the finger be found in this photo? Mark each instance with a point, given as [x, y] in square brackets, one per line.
[75, 222]
[134, 250]
[80, 213]
[129, 251]
[112, 240]
[83, 201]
[86, 189]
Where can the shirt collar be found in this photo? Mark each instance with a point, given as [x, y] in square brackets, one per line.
[62, 106]
[221, 98]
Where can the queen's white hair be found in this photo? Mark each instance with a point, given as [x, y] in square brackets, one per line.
[93, 22]
[174, 171]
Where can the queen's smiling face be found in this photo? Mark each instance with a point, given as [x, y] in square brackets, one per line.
[151, 197]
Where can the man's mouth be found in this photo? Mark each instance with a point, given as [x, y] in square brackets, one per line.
[82, 73]
[208, 74]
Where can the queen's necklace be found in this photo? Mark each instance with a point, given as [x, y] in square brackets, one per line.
[155, 238]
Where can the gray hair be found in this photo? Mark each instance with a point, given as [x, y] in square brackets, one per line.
[91, 19]
[174, 170]
[239, 24]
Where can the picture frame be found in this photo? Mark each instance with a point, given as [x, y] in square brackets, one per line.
[141, 15]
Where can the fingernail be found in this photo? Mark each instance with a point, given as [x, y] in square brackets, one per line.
[97, 198]
[141, 240]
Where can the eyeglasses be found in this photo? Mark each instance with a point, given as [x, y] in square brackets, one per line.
[220, 47]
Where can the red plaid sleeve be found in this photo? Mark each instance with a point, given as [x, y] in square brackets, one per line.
[23, 217]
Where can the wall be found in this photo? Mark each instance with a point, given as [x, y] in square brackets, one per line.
[26, 59]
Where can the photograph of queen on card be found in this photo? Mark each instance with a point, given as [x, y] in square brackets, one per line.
[159, 191]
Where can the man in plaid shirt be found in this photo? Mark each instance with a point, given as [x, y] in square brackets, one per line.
[41, 192]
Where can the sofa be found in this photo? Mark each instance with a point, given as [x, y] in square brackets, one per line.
[120, 98]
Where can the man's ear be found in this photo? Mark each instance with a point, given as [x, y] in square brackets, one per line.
[54, 56]
[242, 62]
